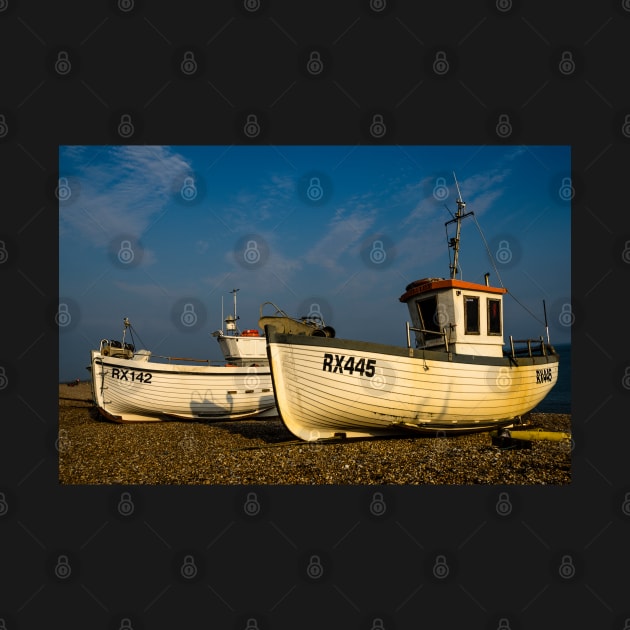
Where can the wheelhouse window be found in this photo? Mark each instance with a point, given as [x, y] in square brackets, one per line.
[428, 313]
[494, 317]
[471, 315]
[427, 310]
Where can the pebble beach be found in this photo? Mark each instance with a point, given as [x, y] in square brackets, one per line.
[93, 450]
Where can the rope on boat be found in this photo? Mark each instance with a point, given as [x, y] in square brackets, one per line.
[483, 238]
[131, 331]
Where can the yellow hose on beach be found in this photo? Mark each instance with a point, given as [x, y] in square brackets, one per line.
[535, 435]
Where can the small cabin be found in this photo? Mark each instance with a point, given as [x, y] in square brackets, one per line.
[248, 348]
[461, 317]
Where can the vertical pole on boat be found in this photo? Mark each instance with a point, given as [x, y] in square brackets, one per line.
[458, 216]
[546, 325]
[222, 322]
[234, 292]
[127, 324]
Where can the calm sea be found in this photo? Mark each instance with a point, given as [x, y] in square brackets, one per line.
[558, 400]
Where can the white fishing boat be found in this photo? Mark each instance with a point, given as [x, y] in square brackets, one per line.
[459, 376]
[130, 385]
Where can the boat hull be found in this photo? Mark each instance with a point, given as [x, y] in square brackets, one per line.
[125, 390]
[330, 387]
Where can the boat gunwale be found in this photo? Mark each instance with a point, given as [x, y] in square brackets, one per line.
[181, 369]
[412, 353]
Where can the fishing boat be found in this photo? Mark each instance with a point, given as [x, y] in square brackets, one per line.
[458, 376]
[130, 385]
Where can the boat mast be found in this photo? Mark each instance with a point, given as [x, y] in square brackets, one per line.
[234, 291]
[454, 242]
[230, 320]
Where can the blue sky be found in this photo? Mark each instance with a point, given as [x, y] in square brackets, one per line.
[153, 232]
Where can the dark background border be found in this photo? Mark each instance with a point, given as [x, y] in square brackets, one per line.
[557, 72]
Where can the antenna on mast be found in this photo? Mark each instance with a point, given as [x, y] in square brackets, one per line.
[459, 194]
[234, 291]
[546, 324]
[457, 219]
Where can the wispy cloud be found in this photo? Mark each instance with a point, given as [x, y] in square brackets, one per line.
[260, 205]
[346, 229]
[123, 193]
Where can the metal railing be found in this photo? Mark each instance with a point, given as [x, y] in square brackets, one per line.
[533, 347]
[442, 334]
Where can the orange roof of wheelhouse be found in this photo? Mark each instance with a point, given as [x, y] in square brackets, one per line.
[429, 284]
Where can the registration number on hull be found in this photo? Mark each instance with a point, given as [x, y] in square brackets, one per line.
[544, 376]
[337, 363]
[131, 375]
